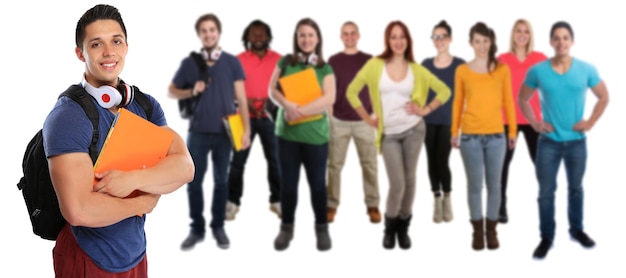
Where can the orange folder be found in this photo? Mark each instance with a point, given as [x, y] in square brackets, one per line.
[234, 127]
[301, 88]
[132, 143]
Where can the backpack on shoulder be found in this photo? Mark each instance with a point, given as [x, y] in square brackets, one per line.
[36, 186]
[269, 106]
[187, 107]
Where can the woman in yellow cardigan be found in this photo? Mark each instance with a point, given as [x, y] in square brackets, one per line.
[398, 88]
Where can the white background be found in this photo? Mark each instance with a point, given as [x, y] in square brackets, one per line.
[39, 63]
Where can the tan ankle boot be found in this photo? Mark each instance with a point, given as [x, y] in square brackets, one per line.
[447, 209]
[492, 235]
[438, 211]
[478, 237]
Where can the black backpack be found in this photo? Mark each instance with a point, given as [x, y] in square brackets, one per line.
[36, 185]
[269, 106]
[187, 106]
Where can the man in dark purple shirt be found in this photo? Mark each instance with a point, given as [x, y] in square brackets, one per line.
[345, 124]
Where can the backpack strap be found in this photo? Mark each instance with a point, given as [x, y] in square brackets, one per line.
[78, 94]
[286, 62]
[144, 102]
[202, 66]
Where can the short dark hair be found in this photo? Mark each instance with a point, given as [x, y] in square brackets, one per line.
[209, 17]
[98, 12]
[350, 22]
[562, 24]
[257, 23]
[443, 24]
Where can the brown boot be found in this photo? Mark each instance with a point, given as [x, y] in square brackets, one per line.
[492, 235]
[374, 214]
[330, 214]
[478, 237]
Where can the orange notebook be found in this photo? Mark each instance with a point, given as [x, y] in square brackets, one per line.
[301, 88]
[234, 127]
[132, 143]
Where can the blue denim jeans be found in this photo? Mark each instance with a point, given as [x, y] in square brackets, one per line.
[314, 159]
[264, 127]
[483, 155]
[548, 159]
[220, 147]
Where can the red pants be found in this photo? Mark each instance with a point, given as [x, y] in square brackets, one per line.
[71, 262]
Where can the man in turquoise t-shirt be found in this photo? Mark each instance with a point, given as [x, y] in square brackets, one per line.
[562, 82]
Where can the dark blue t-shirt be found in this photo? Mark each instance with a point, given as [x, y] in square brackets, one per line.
[121, 246]
[443, 114]
[218, 99]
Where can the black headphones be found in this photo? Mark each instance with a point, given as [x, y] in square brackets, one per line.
[109, 96]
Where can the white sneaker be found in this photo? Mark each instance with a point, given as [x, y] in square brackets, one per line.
[275, 208]
[438, 215]
[447, 209]
[231, 210]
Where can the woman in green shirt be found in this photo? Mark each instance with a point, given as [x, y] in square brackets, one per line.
[304, 143]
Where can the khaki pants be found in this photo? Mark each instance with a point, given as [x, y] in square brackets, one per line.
[364, 138]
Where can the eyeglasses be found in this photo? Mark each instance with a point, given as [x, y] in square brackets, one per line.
[439, 37]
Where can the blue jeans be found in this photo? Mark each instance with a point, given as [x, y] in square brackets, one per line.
[264, 127]
[200, 144]
[483, 155]
[548, 159]
[313, 158]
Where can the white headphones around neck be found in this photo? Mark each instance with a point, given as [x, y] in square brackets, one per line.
[213, 56]
[109, 96]
[307, 59]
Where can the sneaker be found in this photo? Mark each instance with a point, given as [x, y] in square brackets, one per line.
[331, 214]
[275, 208]
[222, 239]
[191, 241]
[374, 214]
[583, 239]
[231, 210]
[542, 250]
[438, 211]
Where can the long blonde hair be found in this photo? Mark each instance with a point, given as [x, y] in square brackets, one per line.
[530, 45]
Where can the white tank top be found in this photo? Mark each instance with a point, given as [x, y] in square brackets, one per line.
[394, 96]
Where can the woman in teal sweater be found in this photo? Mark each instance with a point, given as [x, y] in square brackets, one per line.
[398, 88]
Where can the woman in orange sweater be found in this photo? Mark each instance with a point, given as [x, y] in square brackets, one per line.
[482, 90]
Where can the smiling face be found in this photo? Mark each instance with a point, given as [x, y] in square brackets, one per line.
[209, 34]
[561, 41]
[103, 52]
[397, 41]
[441, 40]
[481, 45]
[521, 36]
[349, 36]
[307, 39]
[259, 40]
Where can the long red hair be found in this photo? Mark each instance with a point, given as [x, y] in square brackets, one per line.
[408, 53]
